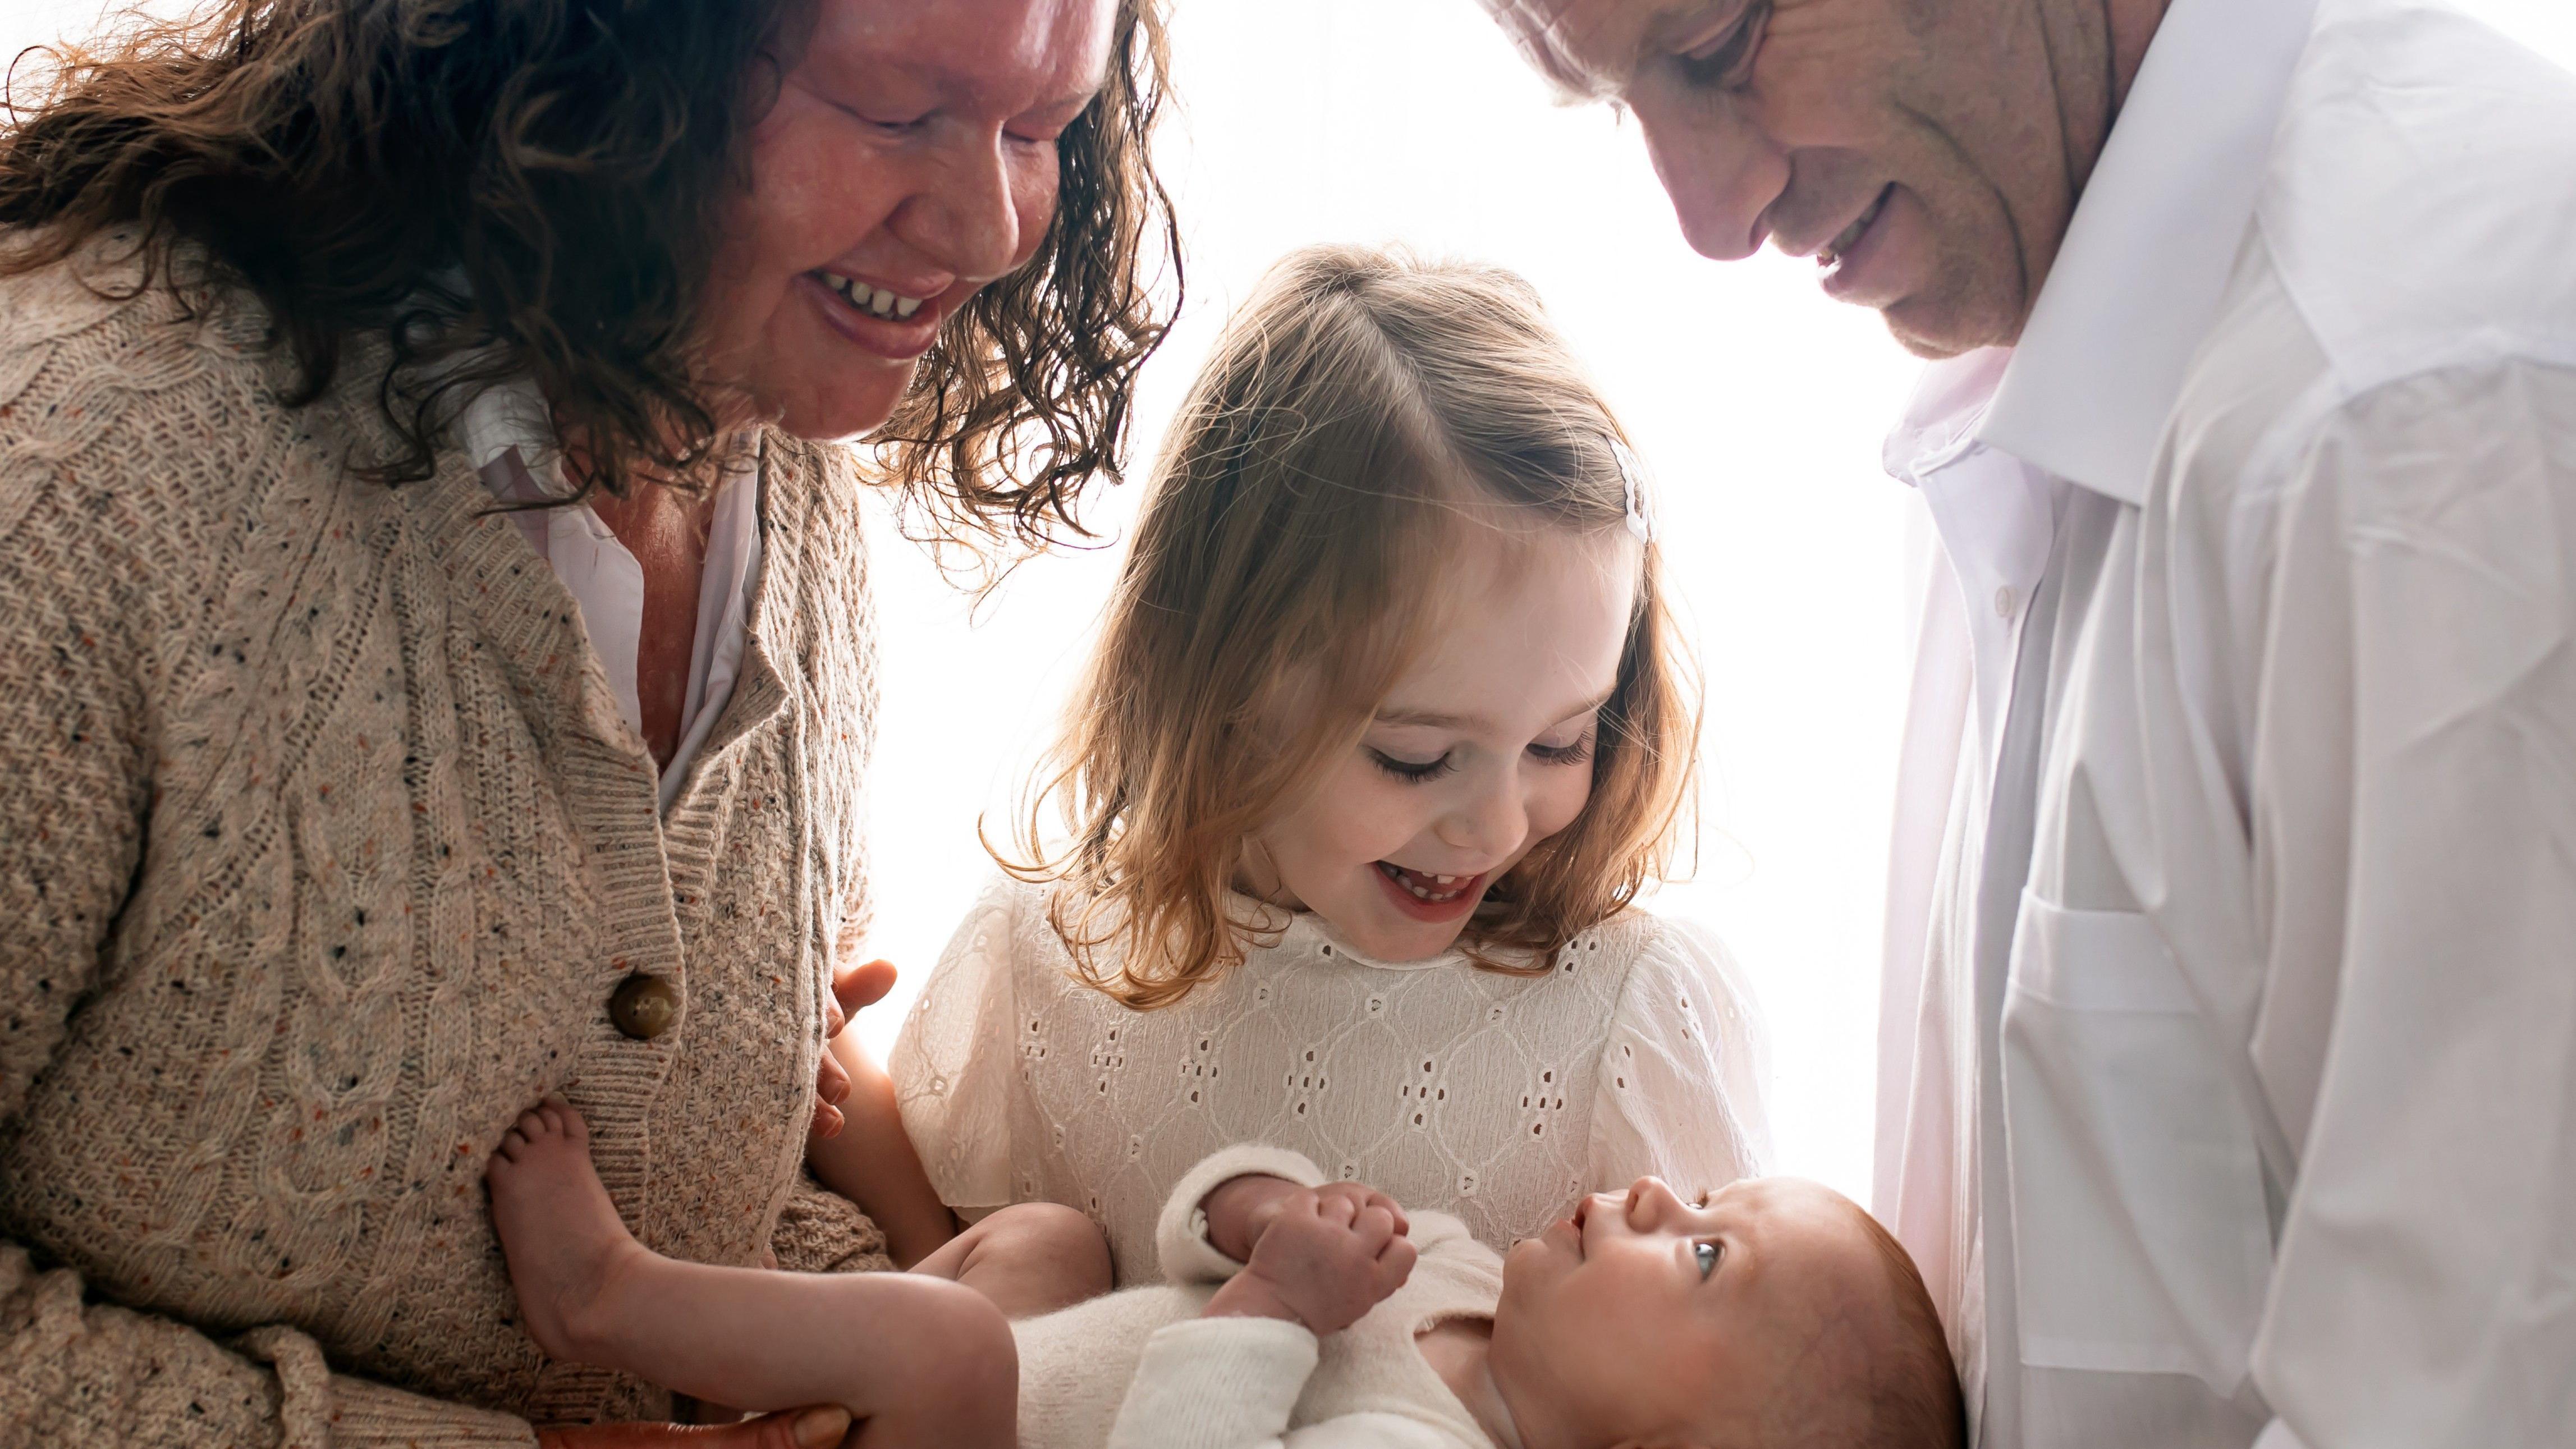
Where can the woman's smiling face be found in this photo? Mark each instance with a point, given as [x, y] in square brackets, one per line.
[909, 160]
[1481, 750]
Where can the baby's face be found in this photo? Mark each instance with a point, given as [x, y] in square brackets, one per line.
[1482, 749]
[1643, 1318]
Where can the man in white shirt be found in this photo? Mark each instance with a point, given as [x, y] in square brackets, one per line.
[2228, 1079]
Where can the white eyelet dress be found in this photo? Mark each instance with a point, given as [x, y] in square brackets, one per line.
[1496, 1098]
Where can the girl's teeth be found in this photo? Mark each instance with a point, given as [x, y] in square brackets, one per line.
[876, 301]
[1449, 886]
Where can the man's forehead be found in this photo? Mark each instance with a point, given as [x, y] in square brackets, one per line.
[1590, 47]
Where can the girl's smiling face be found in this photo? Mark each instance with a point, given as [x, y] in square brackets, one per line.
[1482, 749]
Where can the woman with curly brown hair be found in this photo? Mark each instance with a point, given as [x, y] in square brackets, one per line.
[437, 645]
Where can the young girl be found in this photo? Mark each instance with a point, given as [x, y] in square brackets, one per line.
[1387, 728]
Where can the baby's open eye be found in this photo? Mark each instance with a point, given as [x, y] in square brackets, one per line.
[1707, 1253]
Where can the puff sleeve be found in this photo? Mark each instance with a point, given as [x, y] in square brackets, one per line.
[956, 1065]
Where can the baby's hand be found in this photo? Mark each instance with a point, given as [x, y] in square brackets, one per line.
[1241, 1207]
[1325, 1257]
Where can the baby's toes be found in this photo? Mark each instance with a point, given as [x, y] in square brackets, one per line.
[507, 1154]
[566, 1122]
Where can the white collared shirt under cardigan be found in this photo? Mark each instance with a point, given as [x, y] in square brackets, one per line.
[2228, 1080]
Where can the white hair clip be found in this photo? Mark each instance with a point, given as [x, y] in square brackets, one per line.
[1632, 482]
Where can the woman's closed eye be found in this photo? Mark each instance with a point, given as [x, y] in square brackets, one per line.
[892, 123]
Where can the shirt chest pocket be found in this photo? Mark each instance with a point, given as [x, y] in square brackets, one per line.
[2141, 1237]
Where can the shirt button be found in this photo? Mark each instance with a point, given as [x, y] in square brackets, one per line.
[644, 1006]
[2004, 602]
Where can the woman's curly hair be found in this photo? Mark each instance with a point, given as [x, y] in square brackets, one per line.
[501, 187]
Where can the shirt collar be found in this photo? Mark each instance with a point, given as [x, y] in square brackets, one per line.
[2149, 250]
[508, 417]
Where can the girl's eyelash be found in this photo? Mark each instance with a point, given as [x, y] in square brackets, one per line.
[1413, 772]
[1573, 754]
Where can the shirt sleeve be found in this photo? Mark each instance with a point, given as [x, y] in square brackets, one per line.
[75, 791]
[1683, 1074]
[2413, 807]
[956, 1064]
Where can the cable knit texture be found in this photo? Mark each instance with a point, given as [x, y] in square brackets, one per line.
[322, 847]
[1497, 1098]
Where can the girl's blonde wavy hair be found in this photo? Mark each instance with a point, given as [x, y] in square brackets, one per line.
[1360, 411]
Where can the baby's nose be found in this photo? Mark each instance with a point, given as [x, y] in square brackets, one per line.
[1649, 1201]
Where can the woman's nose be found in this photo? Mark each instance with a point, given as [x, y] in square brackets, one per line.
[974, 218]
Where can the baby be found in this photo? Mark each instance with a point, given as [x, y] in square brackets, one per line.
[1776, 1313]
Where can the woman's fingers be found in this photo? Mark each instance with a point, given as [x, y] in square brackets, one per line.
[863, 986]
[831, 1089]
[832, 1080]
[816, 1428]
[808, 1428]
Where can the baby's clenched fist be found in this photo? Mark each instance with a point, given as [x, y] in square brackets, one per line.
[1324, 1258]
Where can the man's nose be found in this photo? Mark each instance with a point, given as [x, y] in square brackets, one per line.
[1721, 172]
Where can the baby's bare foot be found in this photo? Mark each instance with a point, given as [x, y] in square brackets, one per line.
[562, 1235]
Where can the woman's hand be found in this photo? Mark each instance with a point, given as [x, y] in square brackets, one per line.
[852, 990]
[818, 1428]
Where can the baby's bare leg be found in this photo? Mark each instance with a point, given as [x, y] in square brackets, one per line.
[1029, 1259]
[915, 1360]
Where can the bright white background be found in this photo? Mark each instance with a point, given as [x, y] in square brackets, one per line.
[1757, 403]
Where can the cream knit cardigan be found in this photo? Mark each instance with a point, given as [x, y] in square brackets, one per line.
[322, 847]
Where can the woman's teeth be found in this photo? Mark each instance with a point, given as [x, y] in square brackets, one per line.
[1425, 885]
[876, 301]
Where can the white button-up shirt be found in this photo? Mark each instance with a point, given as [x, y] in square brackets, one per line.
[508, 433]
[2228, 1088]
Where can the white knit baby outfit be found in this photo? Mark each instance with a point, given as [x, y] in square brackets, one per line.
[1496, 1098]
[1141, 1370]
